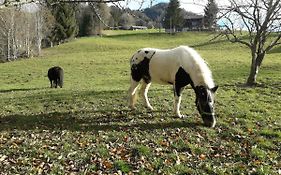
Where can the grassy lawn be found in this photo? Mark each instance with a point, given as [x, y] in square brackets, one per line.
[87, 128]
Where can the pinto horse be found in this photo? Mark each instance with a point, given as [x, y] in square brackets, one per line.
[178, 67]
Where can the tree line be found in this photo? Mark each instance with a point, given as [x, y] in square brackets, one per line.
[21, 32]
[24, 30]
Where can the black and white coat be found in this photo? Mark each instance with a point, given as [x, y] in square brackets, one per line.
[178, 66]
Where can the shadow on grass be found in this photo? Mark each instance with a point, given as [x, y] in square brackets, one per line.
[21, 90]
[208, 43]
[111, 115]
[91, 121]
[156, 34]
[273, 85]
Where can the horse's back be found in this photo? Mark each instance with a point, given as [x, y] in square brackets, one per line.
[178, 55]
[165, 64]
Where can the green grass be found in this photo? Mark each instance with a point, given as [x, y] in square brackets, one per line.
[86, 127]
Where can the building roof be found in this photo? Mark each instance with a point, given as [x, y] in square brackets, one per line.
[190, 15]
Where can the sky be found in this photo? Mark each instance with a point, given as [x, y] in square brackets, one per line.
[196, 6]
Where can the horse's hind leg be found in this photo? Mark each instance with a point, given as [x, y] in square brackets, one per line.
[133, 93]
[59, 83]
[144, 89]
[56, 83]
[51, 83]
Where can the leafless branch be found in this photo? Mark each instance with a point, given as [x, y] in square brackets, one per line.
[273, 43]
[98, 14]
[11, 3]
[87, 1]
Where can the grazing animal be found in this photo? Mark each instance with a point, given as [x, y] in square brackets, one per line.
[55, 75]
[178, 67]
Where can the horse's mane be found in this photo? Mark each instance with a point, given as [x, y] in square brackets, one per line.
[201, 74]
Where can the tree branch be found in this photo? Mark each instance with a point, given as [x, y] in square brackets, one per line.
[11, 3]
[273, 43]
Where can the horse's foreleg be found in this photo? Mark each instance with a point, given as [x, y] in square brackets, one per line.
[133, 93]
[177, 106]
[144, 89]
[177, 102]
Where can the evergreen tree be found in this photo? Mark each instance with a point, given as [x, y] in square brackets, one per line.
[210, 17]
[86, 21]
[173, 18]
[65, 22]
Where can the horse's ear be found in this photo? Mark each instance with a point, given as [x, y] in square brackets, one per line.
[214, 89]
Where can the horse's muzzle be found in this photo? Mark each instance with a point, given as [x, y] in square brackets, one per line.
[134, 67]
[209, 120]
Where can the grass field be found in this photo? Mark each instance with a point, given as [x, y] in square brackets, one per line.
[87, 128]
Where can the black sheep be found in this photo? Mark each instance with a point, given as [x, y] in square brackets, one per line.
[55, 75]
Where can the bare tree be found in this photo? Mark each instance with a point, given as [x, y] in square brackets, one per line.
[116, 14]
[127, 20]
[21, 32]
[261, 19]
[7, 34]
[27, 34]
[39, 31]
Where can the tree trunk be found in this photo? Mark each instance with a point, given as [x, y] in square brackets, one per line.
[14, 46]
[256, 63]
[252, 79]
[13, 39]
[39, 37]
[27, 40]
[8, 45]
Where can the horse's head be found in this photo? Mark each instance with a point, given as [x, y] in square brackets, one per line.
[205, 104]
[142, 55]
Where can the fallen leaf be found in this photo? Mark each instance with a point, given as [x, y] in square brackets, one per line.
[3, 157]
[202, 156]
[107, 164]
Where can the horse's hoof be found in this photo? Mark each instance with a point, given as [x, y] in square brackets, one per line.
[182, 116]
[132, 108]
[150, 108]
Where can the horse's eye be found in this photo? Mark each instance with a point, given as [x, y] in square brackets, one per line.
[203, 95]
[136, 58]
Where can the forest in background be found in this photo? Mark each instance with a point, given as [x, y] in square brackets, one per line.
[26, 29]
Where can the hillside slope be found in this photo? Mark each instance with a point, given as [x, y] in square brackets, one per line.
[86, 127]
